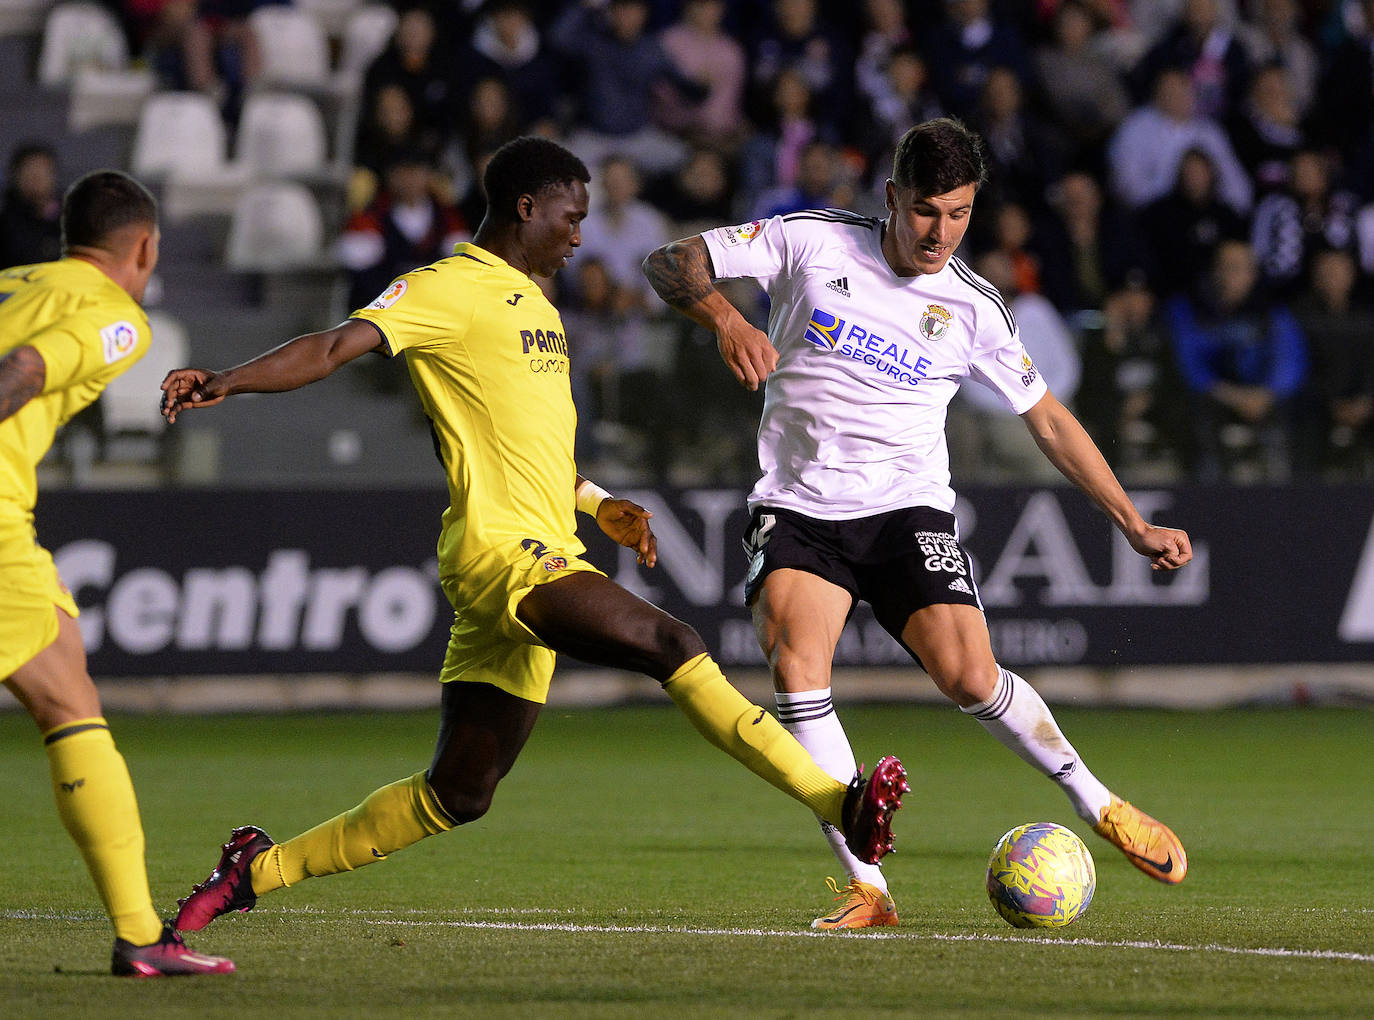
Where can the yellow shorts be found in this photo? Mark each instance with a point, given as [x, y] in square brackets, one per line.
[29, 589]
[488, 644]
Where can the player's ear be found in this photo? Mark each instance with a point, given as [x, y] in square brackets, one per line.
[890, 195]
[524, 208]
[145, 249]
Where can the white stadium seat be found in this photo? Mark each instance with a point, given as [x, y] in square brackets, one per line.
[281, 134]
[178, 130]
[276, 225]
[332, 15]
[368, 31]
[293, 48]
[77, 36]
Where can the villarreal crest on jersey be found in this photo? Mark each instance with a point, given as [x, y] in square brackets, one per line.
[489, 359]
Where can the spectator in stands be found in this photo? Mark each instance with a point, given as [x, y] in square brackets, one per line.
[615, 369]
[1339, 326]
[386, 129]
[903, 97]
[771, 158]
[885, 32]
[1202, 42]
[702, 50]
[621, 228]
[403, 228]
[1025, 152]
[1087, 247]
[235, 60]
[1011, 236]
[1244, 363]
[619, 65]
[824, 181]
[1273, 37]
[1083, 90]
[174, 40]
[1266, 131]
[1183, 229]
[1344, 117]
[417, 60]
[799, 40]
[980, 430]
[965, 47]
[30, 211]
[489, 122]
[1296, 221]
[1144, 154]
[1131, 398]
[507, 45]
[701, 192]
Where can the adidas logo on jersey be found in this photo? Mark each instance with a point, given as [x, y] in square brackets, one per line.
[960, 585]
[840, 286]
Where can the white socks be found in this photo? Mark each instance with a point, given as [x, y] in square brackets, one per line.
[1021, 721]
[810, 717]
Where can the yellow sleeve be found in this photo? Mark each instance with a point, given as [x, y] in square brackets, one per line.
[421, 309]
[89, 346]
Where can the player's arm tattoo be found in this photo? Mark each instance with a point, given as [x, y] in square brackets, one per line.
[22, 374]
[680, 272]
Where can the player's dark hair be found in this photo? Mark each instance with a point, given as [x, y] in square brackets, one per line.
[100, 203]
[528, 166]
[938, 156]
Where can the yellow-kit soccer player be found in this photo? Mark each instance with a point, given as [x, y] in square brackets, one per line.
[488, 356]
[66, 329]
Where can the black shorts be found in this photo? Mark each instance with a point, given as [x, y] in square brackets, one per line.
[897, 562]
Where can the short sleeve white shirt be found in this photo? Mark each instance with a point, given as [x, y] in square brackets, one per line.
[868, 361]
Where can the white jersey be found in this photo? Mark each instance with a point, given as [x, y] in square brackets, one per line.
[868, 361]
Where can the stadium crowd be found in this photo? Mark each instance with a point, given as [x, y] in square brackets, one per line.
[1181, 206]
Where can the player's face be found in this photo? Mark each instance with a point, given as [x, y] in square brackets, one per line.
[554, 229]
[923, 231]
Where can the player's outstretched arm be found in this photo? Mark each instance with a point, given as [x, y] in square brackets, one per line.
[623, 520]
[680, 273]
[22, 374]
[1069, 448]
[294, 364]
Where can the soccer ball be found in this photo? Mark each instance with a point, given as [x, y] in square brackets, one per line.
[1040, 875]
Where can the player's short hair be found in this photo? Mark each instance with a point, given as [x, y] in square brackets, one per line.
[939, 155]
[528, 166]
[101, 203]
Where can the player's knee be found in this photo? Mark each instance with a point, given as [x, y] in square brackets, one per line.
[464, 802]
[675, 643]
[966, 683]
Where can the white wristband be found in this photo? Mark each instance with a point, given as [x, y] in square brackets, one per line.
[589, 496]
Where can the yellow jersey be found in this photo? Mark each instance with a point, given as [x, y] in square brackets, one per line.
[488, 357]
[88, 330]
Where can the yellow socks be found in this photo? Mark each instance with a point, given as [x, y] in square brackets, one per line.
[95, 799]
[752, 737]
[388, 820]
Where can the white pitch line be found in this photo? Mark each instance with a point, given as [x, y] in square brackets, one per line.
[388, 917]
[616, 929]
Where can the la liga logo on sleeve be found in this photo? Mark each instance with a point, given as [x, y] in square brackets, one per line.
[744, 233]
[118, 340]
[389, 296]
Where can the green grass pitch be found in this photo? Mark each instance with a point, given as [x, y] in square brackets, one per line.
[628, 870]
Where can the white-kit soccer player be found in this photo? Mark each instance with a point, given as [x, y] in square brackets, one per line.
[873, 326]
